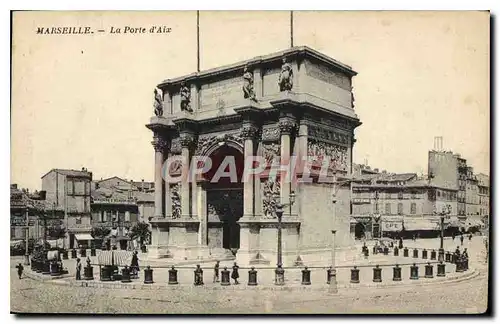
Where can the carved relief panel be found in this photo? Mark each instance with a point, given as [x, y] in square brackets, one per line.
[269, 189]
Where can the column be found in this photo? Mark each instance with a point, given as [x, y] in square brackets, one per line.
[201, 199]
[186, 143]
[248, 132]
[286, 126]
[257, 82]
[168, 198]
[159, 145]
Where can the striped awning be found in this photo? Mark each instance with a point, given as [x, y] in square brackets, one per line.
[421, 226]
[117, 258]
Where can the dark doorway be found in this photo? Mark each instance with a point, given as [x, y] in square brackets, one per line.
[359, 231]
[225, 197]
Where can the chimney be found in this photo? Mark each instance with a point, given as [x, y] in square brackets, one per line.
[376, 169]
[142, 185]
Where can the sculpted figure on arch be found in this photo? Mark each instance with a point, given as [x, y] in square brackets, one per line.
[285, 81]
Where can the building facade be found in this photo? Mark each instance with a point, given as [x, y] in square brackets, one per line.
[396, 205]
[297, 102]
[483, 185]
[70, 191]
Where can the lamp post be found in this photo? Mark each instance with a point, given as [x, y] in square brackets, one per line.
[280, 272]
[446, 211]
[27, 238]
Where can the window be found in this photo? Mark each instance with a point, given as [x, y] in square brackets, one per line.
[413, 195]
[400, 195]
[376, 208]
[388, 209]
[127, 216]
[70, 187]
[400, 208]
[413, 208]
[439, 193]
[78, 220]
[104, 216]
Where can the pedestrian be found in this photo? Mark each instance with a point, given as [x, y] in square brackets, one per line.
[134, 265]
[470, 236]
[235, 275]
[414, 237]
[216, 271]
[453, 237]
[20, 269]
[78, 269]
[462, 239]
[400, 242]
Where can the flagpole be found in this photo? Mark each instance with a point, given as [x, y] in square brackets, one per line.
[198, 40]
[291, 28]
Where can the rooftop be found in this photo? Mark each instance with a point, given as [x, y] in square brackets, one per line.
[72, 173]
[303, 51]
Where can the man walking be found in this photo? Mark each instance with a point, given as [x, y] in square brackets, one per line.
[216, 271]
[462, 239]
[78, 269]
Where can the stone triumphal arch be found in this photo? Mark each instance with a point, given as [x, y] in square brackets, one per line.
[297, 102]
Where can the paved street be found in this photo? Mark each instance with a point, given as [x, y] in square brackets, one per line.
[468, 296]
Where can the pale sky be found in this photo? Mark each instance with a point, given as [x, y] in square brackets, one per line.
[84, 100]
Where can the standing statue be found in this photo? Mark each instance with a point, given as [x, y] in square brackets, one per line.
[158, 105]
[285, 80]
[185, 98]
[248, 92]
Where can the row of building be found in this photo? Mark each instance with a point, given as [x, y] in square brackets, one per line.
[382, 203]
[71, 199]
[388, 204]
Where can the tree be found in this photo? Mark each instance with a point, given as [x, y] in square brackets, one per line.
[100, 232]
[56, 232]
[140, 231]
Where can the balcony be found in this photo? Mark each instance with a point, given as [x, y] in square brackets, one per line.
[114, 224]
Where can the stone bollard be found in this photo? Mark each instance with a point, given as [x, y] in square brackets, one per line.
[224, 277]
[38, 266]
[93, 252]
[83, 253]
[73, 254]
[429, 271]
[396, 251]
[148, 275]
[306, 276]
[65, 255]
[355, 275]
[106, 273]
[252, 277]
[424, 254]
[447, 257]
[54, 269]
[46, 267]
[396, 273]
[88, 273]
[32, 265]
[459, 265]
[441, 269]
[198, 276]
[126, 275]
[377, 274]
[386, 250]
[405, 252]
[279, 276]
[414, 272]
[415, 253]
[172, 276]
[433, 255]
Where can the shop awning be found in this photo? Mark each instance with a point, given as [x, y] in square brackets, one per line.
[396, 226]
[16, 242]
[83, 237]
[422, 226]
[117, 258]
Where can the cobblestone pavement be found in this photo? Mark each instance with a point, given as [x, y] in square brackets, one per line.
[469, 296]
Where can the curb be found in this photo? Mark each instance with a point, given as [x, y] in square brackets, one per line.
[60, 280]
